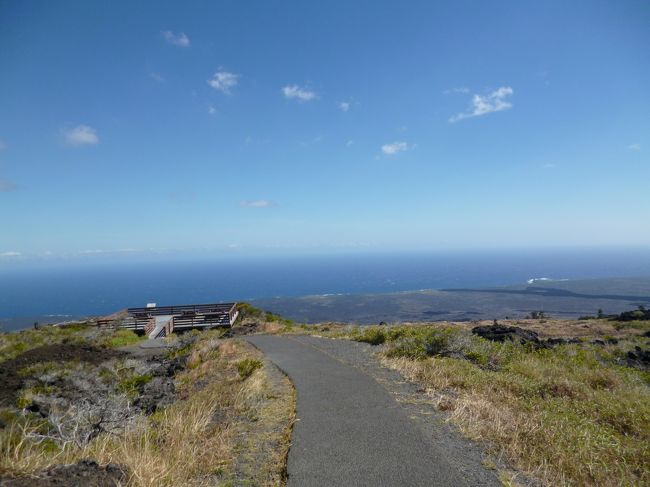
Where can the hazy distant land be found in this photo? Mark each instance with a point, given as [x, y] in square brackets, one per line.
[560, 299]
[567, 299]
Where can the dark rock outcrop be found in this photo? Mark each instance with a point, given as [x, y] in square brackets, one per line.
[638, 358]
[85, 473]
[503, 333]
[552, 342]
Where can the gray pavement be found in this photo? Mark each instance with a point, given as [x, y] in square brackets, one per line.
[350, 431]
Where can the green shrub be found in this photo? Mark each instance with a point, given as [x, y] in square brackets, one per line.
[25, 396]
[373, 336]
[133, 384]
[247, 366]
[122, 338]
[248, 311]
[419, 343]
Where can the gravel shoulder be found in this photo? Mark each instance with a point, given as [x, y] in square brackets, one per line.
[360, 424]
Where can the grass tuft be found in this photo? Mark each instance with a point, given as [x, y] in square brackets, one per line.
[121, 338]
[247, 366]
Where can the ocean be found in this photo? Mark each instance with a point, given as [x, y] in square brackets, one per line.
[64, 290]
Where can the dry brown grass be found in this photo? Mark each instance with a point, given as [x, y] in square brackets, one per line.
[555, 416]
[549, 327]
[225, 430]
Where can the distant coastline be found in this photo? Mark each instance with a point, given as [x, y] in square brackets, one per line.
[559, 298]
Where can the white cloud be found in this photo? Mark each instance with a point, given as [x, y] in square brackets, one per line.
[212, 110]
[81, 135]
[549, 165]
[635, 146]
[349, 143]
[156, 77]
[6, 186]
[223, 81]
[394, 148]
[10, 253]
[256, 203]
[482, 105]
[344, 106]
[179, 39]
[295, 91]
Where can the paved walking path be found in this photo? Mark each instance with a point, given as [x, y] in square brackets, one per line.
[350, 431]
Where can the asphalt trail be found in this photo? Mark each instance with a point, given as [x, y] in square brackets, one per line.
[350, 431]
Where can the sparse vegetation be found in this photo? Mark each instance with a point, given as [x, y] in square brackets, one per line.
[247, 366]
[373, 336]
[13, 344]
[132, 384]
[221, 430]
[571, 414]
[247, 311]
[121, 338]
[635, 315]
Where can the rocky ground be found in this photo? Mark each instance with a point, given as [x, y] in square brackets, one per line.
[68, 393]
[84, 406]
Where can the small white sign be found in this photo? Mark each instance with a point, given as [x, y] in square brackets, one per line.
[151, 305]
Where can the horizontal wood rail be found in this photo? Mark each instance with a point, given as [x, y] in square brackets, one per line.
[184, 317]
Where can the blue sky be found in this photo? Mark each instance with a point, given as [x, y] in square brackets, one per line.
[241, 126]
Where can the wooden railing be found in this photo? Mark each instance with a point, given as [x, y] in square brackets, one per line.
[151, 324]
[183, 317]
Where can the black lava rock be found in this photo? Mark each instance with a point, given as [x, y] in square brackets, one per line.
[503, 333]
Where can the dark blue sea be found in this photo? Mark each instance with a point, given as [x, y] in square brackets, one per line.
[56, 290]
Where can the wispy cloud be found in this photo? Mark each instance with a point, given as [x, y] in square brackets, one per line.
[301, 94]
[460, 89]
[484, 104]
[255, 203]
[6, 186]
[223, 81]
[156, 77]
[635, 146]
[179, 39]
[394, 148]
[10, 253]
[349, 143]
[316, 140]
[212, 110]
[549, 165]
[344, 106]
[81, 135]
[102, 251]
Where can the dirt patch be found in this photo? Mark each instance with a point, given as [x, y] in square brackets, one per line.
[85, 473]
[11, 382]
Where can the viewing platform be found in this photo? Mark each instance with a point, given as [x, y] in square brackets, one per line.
[160, 321]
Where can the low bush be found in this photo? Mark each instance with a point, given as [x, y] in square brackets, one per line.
[121, 338]
[132, 385]
[247, 366]
[422, 342]
[373, 336]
